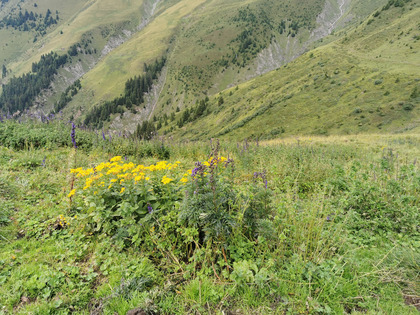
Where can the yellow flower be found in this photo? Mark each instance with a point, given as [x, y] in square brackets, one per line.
[116, 158]
[184, 180]
[139, 177]
[166, 180]
[71, 194]
[122, 190]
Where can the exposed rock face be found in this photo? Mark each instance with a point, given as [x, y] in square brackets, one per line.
[278, 54]
[149, 10]
[145, 112]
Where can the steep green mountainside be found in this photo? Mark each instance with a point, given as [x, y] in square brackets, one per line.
[25, 28]
[366, 81]
[210, 45]
[87, 33]
[341, 66]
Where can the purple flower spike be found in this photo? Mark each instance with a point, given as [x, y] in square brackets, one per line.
[149, 208]
[103, 136]
[73, 135]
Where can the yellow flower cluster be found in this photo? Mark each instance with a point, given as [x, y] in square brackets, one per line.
[62, 221]
[71, 194]
[118, 171]
[166, 180]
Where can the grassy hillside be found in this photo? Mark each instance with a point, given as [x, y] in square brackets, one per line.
[367, 81]
[108, 78]
[20, 47]
[204, 39]
[103, 17]
[364, 79]
[95, 27]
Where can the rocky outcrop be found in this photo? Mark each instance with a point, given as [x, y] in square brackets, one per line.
[280, 53]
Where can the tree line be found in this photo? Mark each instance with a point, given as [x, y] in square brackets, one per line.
[67, 96]
[134, 91]
[19, 93]
[30, 21]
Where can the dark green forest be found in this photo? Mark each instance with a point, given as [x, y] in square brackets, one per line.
[19, 93]
[30, 21]
[134, 91]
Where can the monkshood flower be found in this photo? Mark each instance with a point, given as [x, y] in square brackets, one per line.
[263, 176]
[73, 135]
[199, 169]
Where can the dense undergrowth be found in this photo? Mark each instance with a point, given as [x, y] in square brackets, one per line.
[311, 227]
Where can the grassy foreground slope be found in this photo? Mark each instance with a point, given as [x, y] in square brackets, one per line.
[315, 225]
[367, 81]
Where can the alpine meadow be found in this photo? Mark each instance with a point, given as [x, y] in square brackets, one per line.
[209, 157]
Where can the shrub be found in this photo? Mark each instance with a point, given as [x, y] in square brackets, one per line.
[408, 106]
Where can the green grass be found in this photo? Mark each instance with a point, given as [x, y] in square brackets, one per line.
[341, 234]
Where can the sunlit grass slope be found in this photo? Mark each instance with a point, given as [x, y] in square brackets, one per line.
[89, 16]
[203, 43]
[107, 79]
[18, 46]
[368, 81]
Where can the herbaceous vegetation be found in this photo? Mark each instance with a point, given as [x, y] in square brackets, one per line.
[96, 224]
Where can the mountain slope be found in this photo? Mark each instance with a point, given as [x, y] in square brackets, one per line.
[211, 45]
[360, 75]
[366, 81]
